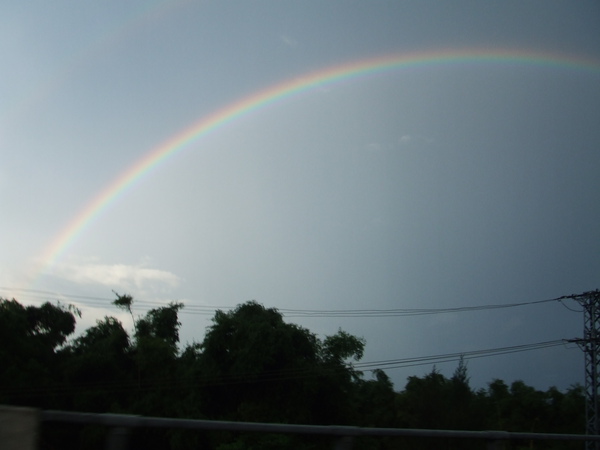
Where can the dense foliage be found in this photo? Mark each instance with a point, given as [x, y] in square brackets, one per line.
[251, 366]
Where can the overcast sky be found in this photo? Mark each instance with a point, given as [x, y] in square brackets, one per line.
[439, 186]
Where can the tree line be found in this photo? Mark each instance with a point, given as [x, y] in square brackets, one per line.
[251, 366]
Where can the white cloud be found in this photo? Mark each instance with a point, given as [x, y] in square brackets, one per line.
[374, 147]
[116, 276]
[290, 42]
[412, 139]
[405, 139]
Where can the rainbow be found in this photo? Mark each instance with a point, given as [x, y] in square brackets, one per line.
[261, 99]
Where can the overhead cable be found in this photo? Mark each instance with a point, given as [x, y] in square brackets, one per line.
[209, 310]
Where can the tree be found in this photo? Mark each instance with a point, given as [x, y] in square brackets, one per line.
[31, 339]
[375, 406]
[257, 367]
[125, 302]
[461, 375]
[99, 365]
[162, 324]
[255, 364]
[467, 409]
[342, 346]
[424, 401]
[251, 366]
[155, 358]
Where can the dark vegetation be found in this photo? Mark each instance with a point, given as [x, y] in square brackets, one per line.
[251, 366]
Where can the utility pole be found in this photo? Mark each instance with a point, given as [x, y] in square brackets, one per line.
[590, 344]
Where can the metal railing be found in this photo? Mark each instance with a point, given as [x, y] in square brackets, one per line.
[121, 424]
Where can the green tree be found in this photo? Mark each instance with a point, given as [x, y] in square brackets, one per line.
[256, 367]
[375, 406]
[498, 400]
[337, 380]
[125, 302]
[251, 366]
[156, 359]
[436, 402]
[98, 368]
[424, 401]
[32, 337]
[467, 407]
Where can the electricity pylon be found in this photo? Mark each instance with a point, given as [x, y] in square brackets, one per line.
[590, 344]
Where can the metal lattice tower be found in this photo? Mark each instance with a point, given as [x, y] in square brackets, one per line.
[590, 344]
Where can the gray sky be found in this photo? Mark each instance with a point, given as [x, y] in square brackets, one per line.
[445, 185]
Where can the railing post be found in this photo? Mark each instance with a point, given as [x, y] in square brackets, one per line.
[118, 438]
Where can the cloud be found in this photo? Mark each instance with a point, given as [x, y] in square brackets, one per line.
[407, 139]
[116, 276]
[290, 42]
[373, 147]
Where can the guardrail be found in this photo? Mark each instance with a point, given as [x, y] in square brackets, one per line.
[121, 424]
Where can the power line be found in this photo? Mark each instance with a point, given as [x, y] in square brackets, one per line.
[474, 354]
[287, 312]
[402, 311]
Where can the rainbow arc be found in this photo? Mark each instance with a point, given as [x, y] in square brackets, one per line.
[187, 137]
